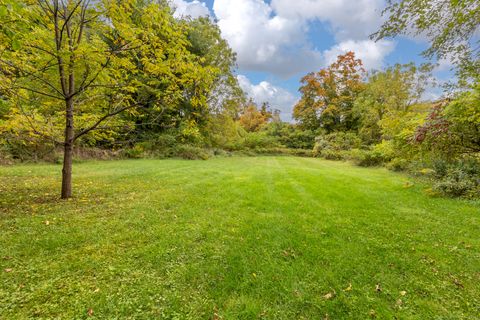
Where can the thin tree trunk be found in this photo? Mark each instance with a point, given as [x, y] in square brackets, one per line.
[68, 152]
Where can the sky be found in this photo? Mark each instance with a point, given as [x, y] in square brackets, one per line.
[279, 41]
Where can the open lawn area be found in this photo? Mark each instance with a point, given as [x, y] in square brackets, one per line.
[234, 238]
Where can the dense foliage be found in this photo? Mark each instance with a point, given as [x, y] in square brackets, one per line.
[127, 79]
[395, 128]
[116, 73]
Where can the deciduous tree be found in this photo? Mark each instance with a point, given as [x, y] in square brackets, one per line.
[328, 96]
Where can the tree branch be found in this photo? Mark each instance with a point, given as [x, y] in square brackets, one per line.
[103, 118]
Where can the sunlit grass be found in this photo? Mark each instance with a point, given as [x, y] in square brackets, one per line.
[234, 238]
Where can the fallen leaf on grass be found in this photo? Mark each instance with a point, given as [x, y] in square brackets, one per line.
[329, 295]
[8, 270]
[458, 283]
[403, 293]
[378, 288]
[349, 288]
[47, 222]
[216, 316]
[90, 312]
[408, 185]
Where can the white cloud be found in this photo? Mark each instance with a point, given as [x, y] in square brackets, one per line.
[272, 37]
[371, 53]
[192, 9]
[348, 19]
[265, 41]
[278, 98]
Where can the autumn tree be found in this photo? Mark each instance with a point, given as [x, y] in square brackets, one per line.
[252, 119]
[453, 127]
[328, 96]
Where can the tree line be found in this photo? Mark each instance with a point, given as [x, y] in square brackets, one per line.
[125, 78]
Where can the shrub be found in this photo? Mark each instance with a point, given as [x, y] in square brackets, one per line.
[398, 164]
[458, 179]
[329, 146]
[190, 152]
[440, 168]
[256, 140]
[331, 154]
[366, 158]
[385, 150]
[135, 152]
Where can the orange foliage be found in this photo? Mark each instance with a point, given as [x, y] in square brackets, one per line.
[328, 95]
[253, 119]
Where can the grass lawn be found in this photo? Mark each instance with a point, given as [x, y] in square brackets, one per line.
[234, 238]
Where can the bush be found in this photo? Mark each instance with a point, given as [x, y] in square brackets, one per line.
[330, 146]
[331, 154]
[257, 140]
[440, 168]
[398, 164]
[366, 158]
[458, 179]
[190, 152]
[385, 150]
[136, 152]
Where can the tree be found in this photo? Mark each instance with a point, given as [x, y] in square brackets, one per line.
[174, 82]
[328, 96]
[253, 119]
[206, 42]
[450, 25]
[453, 127]
[59, 55]
[389, 93]
[75, 64]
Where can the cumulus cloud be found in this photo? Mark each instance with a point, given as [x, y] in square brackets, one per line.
[192, 9]
[371, 53]
[272, 37]
[348, 19]
[278, 98]
[263, 40]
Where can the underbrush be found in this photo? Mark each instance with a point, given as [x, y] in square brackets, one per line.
[458, 178]
[448, 177]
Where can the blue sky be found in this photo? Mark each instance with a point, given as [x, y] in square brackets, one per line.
[279, 41]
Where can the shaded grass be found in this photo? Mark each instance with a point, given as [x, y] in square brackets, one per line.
[236, 238]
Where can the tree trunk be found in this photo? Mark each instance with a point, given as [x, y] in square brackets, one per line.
[68, 152]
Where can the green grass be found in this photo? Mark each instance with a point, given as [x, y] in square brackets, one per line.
[234, 238]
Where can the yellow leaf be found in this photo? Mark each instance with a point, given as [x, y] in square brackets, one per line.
[349, 288]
